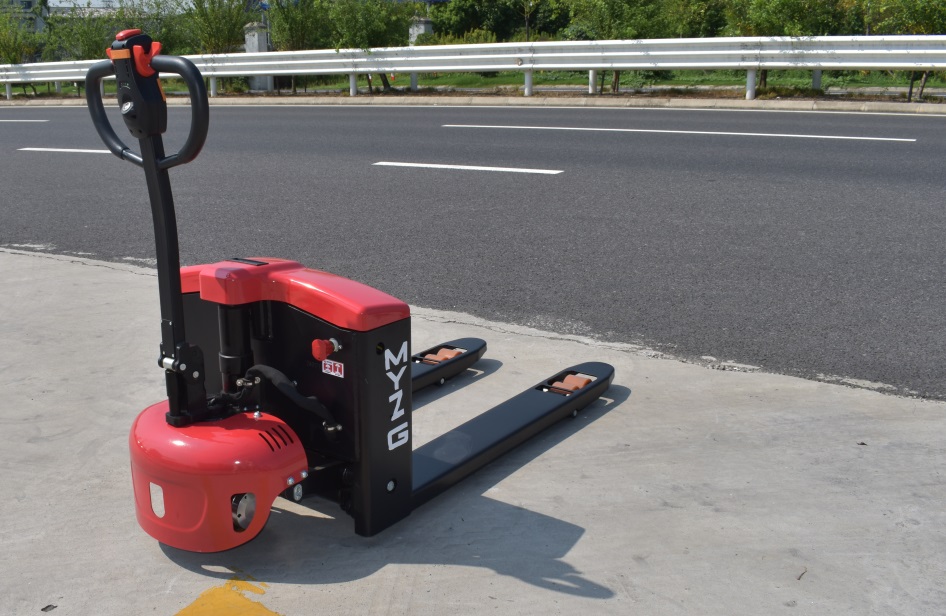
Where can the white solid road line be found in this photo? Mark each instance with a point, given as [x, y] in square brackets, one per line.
[24, 120]
[66, 150]
[680, 132]
[470, 168]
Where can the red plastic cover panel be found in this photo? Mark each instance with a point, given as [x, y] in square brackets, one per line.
[337, 300]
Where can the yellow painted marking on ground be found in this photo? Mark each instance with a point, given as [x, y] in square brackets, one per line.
[229, 599]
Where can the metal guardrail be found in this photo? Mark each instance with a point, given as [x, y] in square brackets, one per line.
[735, 53]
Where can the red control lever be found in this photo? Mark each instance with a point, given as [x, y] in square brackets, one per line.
[143, 60]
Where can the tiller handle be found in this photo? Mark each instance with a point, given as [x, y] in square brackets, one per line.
[135, 62]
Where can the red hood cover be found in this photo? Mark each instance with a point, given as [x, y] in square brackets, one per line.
[340, 301]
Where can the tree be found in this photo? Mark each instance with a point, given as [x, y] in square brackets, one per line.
[913, 17]
[295, 25]
[458, 17]
[218, 24]
[526, 8]
[300, 24]
[612, 19]
[859, 16]
[550, 18]
[18, 40]
[783, 18]
[162, 20]
[691, 18]
[81, 33]
[363, 24]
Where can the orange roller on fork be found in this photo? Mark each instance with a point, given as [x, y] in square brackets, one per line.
[310, 390]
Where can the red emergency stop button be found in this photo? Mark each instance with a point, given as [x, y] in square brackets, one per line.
[321, 349]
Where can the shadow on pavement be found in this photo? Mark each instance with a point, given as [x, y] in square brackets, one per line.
[483, 368]
[463, 527]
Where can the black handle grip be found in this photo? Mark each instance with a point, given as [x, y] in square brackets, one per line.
[93, 98]
[200, 109]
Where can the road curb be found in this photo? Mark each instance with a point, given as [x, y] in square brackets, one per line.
[540, 101]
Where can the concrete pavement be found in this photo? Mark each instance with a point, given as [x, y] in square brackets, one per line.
[687, 491]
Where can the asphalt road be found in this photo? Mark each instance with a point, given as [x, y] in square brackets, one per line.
[728, 237]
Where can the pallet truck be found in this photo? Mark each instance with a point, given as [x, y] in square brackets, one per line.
[311, 388]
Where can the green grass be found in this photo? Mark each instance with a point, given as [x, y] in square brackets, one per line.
[800, 80]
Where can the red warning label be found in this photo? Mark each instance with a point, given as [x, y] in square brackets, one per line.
[334, 368]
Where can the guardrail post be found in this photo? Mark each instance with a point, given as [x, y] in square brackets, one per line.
[9, 91]
[816, 79]
[528, 83]
[213, 86]
[592, 81]
[413, 82]
[750, 85]
[352, 84]
[58, 85]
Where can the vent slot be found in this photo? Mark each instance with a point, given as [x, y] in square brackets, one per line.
[284, 433]
[277, 436]
[268, 442]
